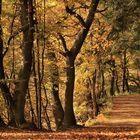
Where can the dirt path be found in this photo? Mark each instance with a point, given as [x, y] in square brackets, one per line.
[126, 110]
[123, 124]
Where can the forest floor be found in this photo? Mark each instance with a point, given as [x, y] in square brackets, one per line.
[123, 124]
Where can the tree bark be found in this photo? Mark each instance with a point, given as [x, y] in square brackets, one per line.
[54, 80]
[125, 86]
[95, 106]
[112, 82]
[116, 81]
[25, 71]
[69, 117]
[57, 107]
[4, 88]
[127, 80]
[103, 91]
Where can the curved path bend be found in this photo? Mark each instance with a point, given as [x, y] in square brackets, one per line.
[125, 111]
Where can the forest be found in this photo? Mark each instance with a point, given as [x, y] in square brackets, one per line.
[62, 61]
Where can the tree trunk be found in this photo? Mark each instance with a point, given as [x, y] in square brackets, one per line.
[25, 71]
[36, 89]
[95, 106]
[54, 81]
[112, 82]
[69, 117]
[116, 81]
[127, 79]
[89, 98]
[57, 107]
[98, 78]
[124, 73]
[39, 83]
[4, 88]
[125, 85]
[103, 92]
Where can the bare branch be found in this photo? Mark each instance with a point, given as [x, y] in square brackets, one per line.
[63, 42]
[83, 34]
[72, 12]
[100, 11]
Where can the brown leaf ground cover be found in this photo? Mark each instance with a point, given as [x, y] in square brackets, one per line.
[123, 124]
[97, 132]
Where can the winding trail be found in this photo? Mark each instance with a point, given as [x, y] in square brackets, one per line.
[126, 110]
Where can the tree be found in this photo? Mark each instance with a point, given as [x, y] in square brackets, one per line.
[69, 117]
[53, 76]
[16, 102]
[123, 34]
[112, 81]
[4, 88]
[26, 17]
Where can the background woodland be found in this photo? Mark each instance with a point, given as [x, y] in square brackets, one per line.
[61, 62]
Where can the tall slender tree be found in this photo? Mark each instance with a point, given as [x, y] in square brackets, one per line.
[54, 84]
[26, 18]
[4, 87]
[69, 117]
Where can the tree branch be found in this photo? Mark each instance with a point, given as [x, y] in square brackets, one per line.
[83, 34]
[100, 11]
[63, 42]
[72, 12]
[22, 29]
